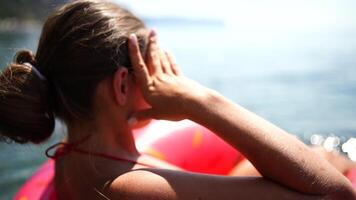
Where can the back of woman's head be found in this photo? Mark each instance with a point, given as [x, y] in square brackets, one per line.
[81, 44]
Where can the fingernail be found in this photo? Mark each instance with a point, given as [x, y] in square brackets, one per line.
[133, 38]
[153, 33]
[132, 121]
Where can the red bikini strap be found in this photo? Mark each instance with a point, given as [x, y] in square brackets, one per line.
[116, 158]
[63, 149]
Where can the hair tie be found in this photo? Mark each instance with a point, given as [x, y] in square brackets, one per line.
[38, 73]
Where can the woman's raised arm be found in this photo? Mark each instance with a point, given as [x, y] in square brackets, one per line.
[285, 162]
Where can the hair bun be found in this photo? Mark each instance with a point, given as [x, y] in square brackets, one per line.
[25, 111]
[25, 56]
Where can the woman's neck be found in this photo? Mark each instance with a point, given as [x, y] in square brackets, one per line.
[110, 138]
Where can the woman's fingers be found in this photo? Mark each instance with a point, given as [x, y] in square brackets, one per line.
[156, 59]
[151, 34]
[174, 67]
[138, 64]
[153, 55]
[166, 66]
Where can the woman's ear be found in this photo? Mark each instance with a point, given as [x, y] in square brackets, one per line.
[121, 85]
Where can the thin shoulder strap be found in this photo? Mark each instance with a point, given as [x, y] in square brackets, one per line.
[63, 148]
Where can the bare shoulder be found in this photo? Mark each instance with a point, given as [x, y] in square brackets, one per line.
[141, 184]
[162, 184]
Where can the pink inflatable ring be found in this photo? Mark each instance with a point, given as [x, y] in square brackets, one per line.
[184, 144]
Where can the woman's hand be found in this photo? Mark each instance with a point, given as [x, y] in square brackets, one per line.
[162, 84]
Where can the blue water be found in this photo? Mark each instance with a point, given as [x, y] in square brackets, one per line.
[304, 82]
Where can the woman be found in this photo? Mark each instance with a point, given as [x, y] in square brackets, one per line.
[89, 71]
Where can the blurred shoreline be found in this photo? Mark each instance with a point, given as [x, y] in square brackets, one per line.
[19, 25]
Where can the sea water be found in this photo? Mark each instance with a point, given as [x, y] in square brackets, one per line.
[303, 82]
